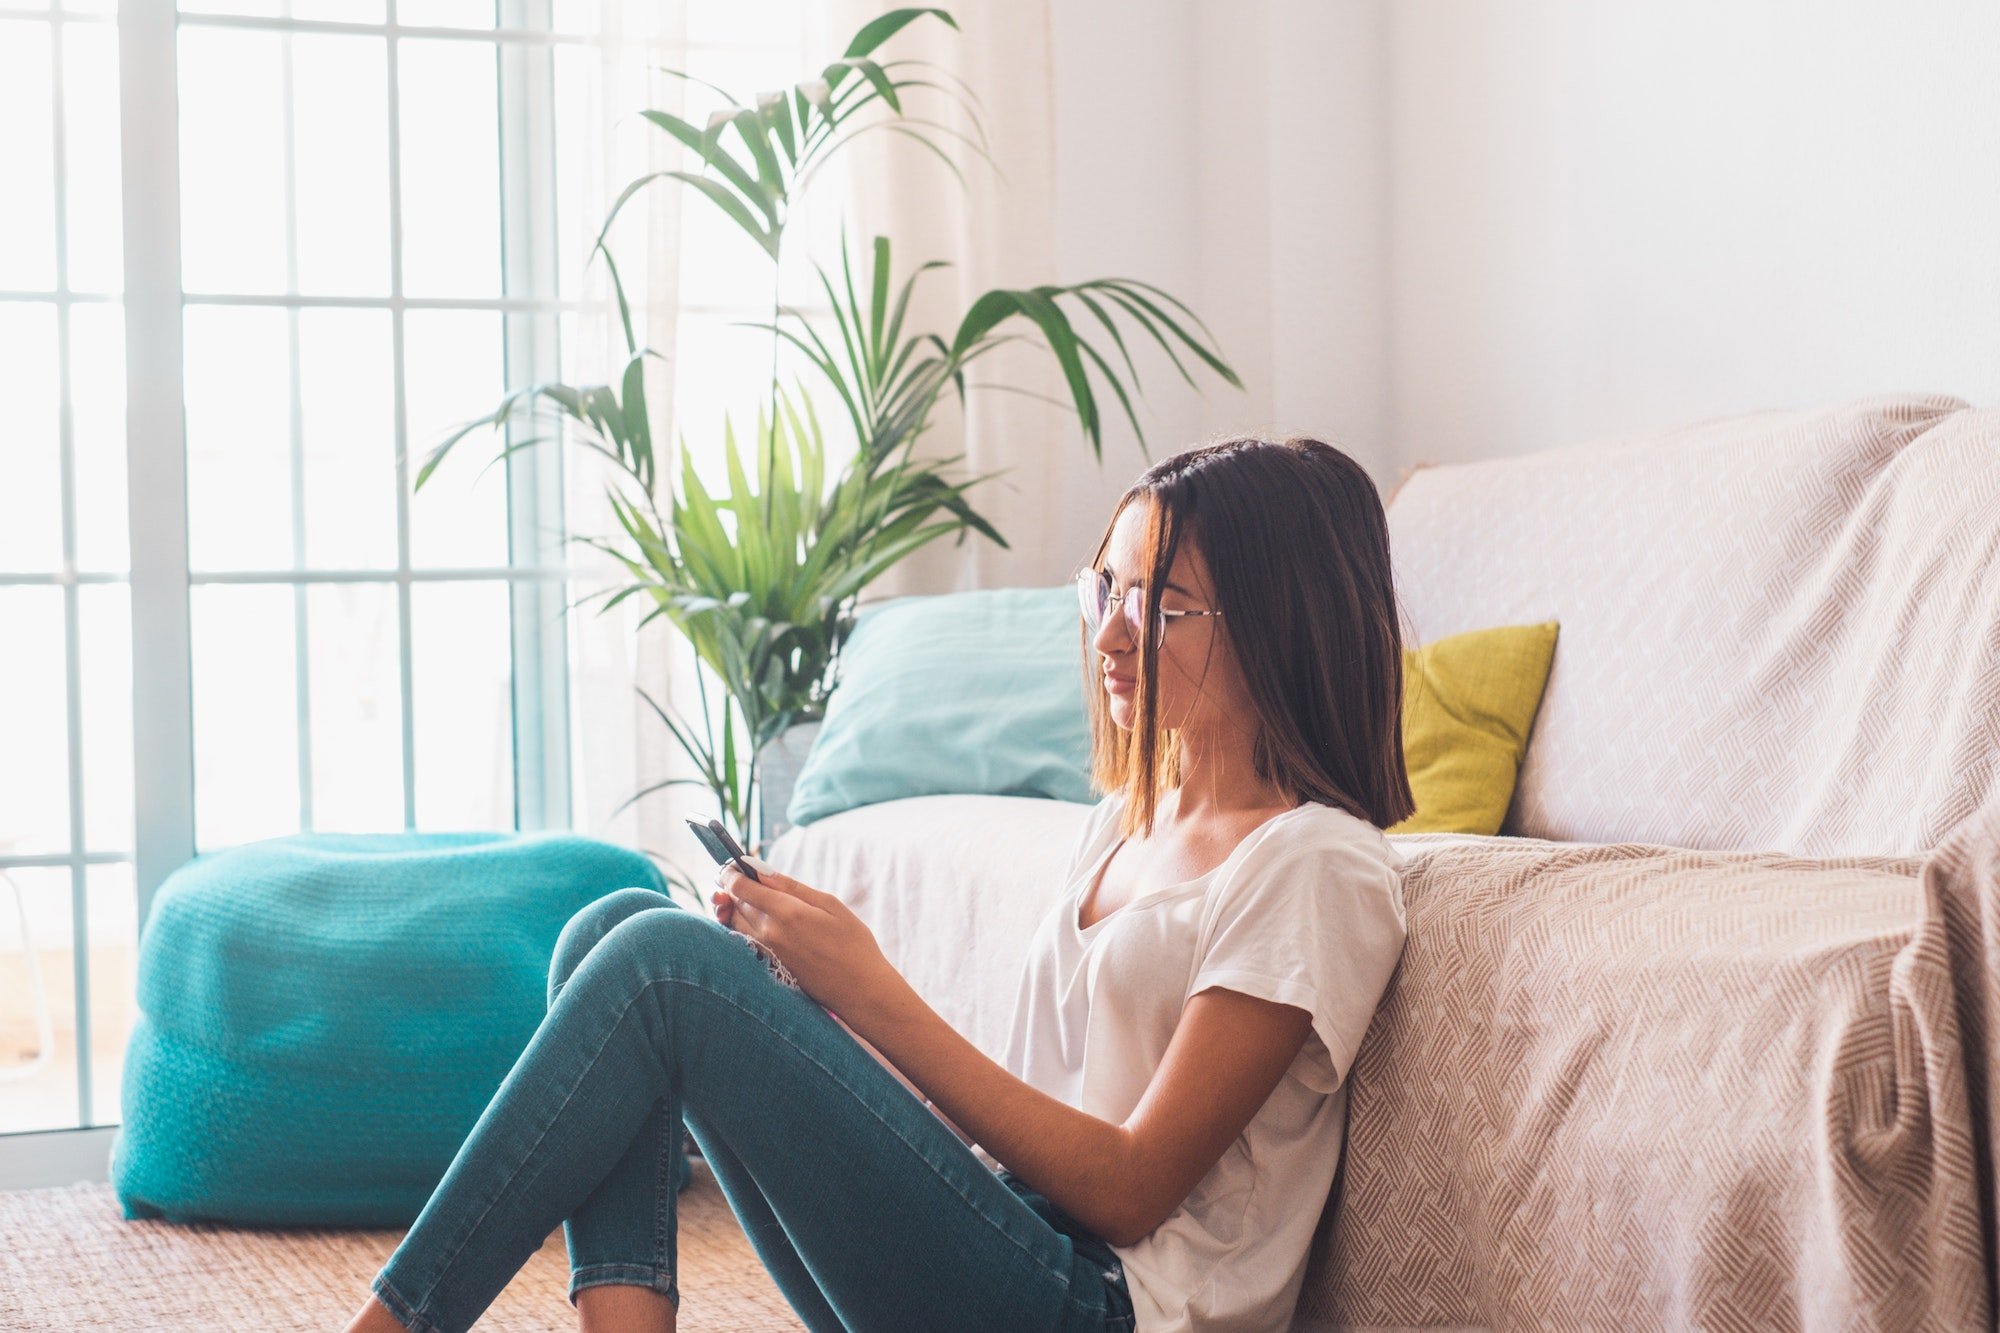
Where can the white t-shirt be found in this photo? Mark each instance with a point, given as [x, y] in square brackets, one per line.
[1308, 911]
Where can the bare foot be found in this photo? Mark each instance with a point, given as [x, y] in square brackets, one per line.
[374, 1317]
[618, 1307]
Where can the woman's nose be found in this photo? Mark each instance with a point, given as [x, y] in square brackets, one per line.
[1113, 633]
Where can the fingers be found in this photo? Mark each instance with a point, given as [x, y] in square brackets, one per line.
[768, 888]
[746, 919]
[755, 907]
[768, 874]
[765, 901]
[742, 917]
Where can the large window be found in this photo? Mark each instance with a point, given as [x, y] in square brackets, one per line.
[370, 222]
[66, 753]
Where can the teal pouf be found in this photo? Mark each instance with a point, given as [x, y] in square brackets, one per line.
[323, 1017]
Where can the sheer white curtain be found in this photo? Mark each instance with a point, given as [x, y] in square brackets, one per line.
[998, 231]
[697, 280]
[995, 232]
[605, 87]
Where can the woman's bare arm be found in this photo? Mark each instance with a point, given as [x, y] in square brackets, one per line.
[1120, 1180]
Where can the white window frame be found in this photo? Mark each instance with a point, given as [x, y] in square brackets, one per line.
[68, 579]
[160, 577]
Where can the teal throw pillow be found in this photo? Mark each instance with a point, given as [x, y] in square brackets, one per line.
[971, 692]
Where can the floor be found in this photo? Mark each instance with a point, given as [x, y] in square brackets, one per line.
[71, 1261]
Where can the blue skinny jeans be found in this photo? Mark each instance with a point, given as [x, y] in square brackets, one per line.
[870, 1214]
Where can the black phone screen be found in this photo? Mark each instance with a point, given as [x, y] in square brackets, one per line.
[720, 845]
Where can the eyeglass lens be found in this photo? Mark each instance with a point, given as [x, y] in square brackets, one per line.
[1096, 588]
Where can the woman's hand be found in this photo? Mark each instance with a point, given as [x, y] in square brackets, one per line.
[829, 949]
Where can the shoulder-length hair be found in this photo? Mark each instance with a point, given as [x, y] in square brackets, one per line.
[1297, 547]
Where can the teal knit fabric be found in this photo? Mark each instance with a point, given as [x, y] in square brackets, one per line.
[323, 1017]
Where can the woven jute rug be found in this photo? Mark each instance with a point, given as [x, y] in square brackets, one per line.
[70, 1260]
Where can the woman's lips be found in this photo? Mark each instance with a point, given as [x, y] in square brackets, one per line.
[1117, 684]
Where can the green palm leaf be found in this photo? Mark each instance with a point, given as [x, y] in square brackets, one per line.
[760, 573]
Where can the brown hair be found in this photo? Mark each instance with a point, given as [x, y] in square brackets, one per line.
[1297, 547]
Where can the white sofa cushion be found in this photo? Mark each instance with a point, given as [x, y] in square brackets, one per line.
[952, 886]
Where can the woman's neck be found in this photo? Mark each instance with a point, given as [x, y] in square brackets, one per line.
[1218, 779]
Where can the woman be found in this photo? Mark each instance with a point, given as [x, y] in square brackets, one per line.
[1170, 1113]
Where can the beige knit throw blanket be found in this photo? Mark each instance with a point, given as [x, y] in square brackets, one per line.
[1628, 1086]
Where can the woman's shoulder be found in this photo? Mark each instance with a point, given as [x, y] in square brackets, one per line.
[1098, 821]
[1321, 824]
[1106, 811]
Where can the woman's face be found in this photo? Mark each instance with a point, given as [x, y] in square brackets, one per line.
[1198, 678]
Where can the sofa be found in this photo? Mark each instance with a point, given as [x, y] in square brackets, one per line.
[1702, 1037]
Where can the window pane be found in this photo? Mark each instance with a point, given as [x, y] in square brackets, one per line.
[341, 127]
[455, 374]
[464, 706]
[27, 157]
[587, 474]
[720, 266]
[343, 11]
[445, 13]
[90, 165]
[238, 437]
[104, 661]
[246, 747]
[580, 127]
[629, 21]
[569, 344]
[113, 905]
[724, 371]
[34, 777]
[746, 23]
[357, 708]
[232, 161]
[742, 72]
[578, 15]
[605, 756]
[812, 235]
[255, 8]
[599, 149]
[347, 409]
[451, 168]
[37, 1000]
[31, 460]
[97, 436]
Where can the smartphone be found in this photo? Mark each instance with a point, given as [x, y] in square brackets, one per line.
[721, 846]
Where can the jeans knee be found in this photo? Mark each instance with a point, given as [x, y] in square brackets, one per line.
[591, 923]
[677, 943]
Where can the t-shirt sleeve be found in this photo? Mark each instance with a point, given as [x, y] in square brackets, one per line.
[1318, 924]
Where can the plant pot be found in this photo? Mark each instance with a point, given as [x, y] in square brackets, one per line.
[778, 766]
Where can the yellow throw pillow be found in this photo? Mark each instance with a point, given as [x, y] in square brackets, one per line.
[1468, 702]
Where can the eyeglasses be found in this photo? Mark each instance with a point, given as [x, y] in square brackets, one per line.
[1093, 593]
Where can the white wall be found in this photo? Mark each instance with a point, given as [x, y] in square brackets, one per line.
[1432, 229]
[1233, 155]
[1614, 218]
[1129, 170]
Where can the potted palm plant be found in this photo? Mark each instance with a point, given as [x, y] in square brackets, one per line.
[762, 575]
